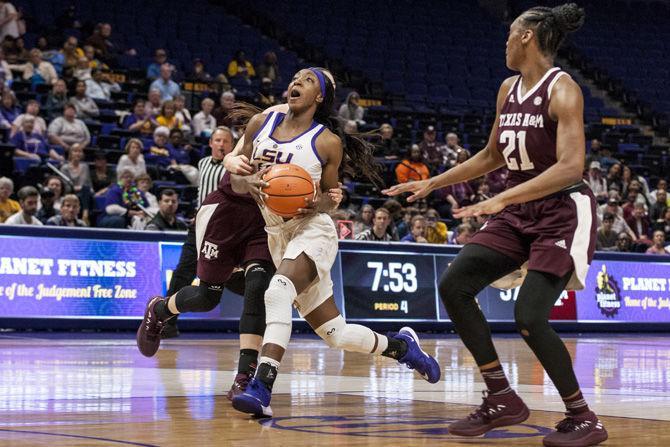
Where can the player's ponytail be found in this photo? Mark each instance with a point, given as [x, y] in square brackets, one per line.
[551, 25]
[358, 159]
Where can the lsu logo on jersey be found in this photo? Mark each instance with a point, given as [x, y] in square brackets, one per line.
[273, 157]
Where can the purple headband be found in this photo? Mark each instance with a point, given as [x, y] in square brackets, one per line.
[321, 78]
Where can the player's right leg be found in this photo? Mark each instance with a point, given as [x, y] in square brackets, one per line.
[475, 267]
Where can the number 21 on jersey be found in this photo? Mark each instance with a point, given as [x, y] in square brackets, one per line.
[516, 140]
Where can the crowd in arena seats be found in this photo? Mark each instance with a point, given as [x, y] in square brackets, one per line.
[124, 145]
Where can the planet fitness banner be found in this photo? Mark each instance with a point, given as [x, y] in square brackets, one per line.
[44, 277]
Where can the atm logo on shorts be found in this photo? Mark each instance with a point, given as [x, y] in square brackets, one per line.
[210, 251]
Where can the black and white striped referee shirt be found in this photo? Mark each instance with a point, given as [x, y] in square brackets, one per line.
[211, 173]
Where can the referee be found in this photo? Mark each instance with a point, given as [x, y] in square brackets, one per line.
[211, 171]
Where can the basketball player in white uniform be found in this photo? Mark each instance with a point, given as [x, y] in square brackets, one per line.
[304, 248]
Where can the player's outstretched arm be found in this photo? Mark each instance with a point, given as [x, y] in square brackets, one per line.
[487, 160]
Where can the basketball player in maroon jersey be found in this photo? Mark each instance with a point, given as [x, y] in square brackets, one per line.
[545, 218]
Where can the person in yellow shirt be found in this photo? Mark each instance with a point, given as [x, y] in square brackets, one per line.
[7, 205]
[240, 66]
[436, 230]
[412, 168]
[167, 117]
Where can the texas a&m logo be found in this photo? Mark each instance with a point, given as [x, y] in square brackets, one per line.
[211, 251]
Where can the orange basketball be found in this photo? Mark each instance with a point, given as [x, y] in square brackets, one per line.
[289, 185]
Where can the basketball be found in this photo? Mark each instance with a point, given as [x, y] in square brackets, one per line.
[289, 186]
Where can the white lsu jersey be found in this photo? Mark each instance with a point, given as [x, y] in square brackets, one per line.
[300, 150]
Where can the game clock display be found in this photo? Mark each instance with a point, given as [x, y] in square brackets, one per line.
[390, 286]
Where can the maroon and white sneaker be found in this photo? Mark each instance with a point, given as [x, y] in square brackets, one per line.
[239, 386]
[497, 410]
[149, 332]
[579, 430]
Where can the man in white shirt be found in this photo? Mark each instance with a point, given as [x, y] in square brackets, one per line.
[28, 198]
[204, 122]
[101, 87]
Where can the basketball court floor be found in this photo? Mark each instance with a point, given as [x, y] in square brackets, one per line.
[97, 390]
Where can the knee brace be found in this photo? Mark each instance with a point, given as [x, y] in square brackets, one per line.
[337, 333]
[257, 280]
[202, 298]
[279, 298]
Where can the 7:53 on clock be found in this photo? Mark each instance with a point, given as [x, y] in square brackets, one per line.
[395, 277]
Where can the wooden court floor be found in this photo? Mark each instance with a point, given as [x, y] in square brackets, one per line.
[74, 390]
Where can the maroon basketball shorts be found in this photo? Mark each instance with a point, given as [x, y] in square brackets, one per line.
[230, 233]
[555, 234]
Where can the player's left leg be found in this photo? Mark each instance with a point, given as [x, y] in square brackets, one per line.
[328, 323]
[537, 296]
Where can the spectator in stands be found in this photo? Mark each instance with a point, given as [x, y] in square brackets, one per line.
[266, 95]
[6, 76]
[657, 210]
[182, 113]
[395, 209]
[10, 21]
[483, 192]
[28, 198]
[56, 185]
[45, 206]
[351, 110]
[606, 238]
[363, 220]
[459, 194]
[624, 243]
[429, 150]
[404, 226]
[614, 180]
[226, 103]
[153, 105]
[664, 223]
[160, 150]
[389, 146]
[637, 187]
[36, 70]
[154, 68]
[9, 111]
[166, 219]
[105, 48]
[240, 67]
[412, 168]
[123, 201]
[658, 244]
[56, 99]
[30, 144]
[8, 206]
[69, 211]
[639, 223]
[140, 121]
[101, 86]
[350, 127]
[597, 182]
[450, 149]
[631, 178]
[662, 184]
[32, 111]
[184, 156]
[463, 234]
[79, 174]
[82, 71]
[67, 130]
[92, 60]
[198, 73]
[619, 224]
[133, 158]
[436, 230]
[204, 123]
[85, 106]
[378, 232]
[70, 54]
[167, 116]
[102, 175]
[165, 85]
[269, 67]
[15, 50]
[140, 221]
[418, 230]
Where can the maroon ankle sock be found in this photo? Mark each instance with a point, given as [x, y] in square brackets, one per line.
[495, 380]
[576, 405]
